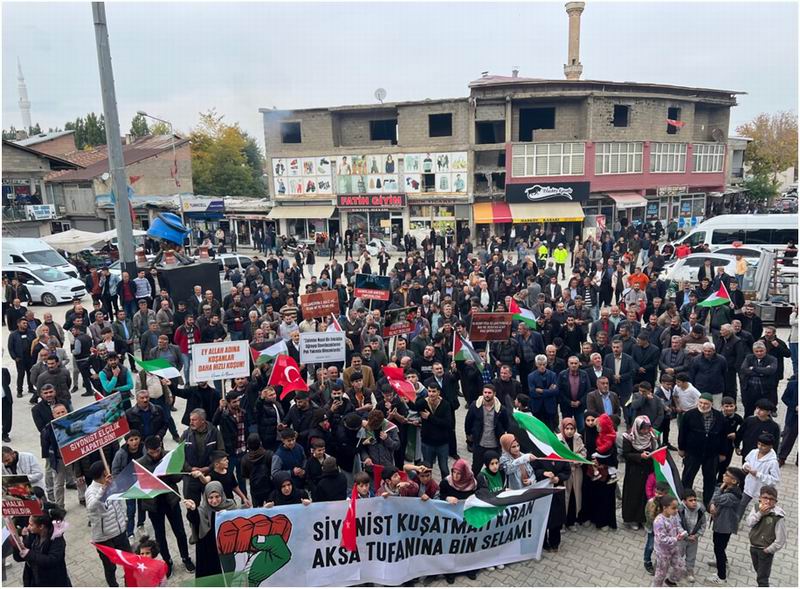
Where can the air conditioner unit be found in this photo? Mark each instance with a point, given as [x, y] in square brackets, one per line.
[62, 210]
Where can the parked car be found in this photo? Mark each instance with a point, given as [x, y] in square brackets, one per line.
[687, 268]
[46, 285]
[28, 250]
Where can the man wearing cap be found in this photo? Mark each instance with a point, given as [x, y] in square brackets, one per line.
[759, 374]
[701, 436]
[299, 417]
[755, 425]
[707, 372]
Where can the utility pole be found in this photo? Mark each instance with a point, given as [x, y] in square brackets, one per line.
[116, 162]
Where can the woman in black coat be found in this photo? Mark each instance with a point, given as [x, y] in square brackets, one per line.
[332, 486]
[203, 521]
[636, 447]
[599, 498]
[557, 471]
[44, 552]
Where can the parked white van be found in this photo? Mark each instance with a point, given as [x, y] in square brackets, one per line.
[29, 250]
[771, 232]
[47, 285]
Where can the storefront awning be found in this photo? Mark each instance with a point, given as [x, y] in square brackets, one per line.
[546, 212]
[305, 212]
[628, 200]
[491, 212]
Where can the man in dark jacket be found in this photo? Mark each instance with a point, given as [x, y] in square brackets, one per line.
[166, 506]
[437, 427]
[759, 373]
[700, 442]
[730, 347]
[755, 425]
[19, 346]
[268, 416]
[707, 373]
[750, 321]
[227, 419]
[300, 416]
[485, 422]
[202, 438]
[59, 377]
[506, 386]
[573, 388]
[623, 369]
[448, 384]
[646, 357]
[673, 358]
[146, 417]
[201, 396]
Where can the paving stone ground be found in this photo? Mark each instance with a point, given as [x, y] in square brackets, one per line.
[588, 557]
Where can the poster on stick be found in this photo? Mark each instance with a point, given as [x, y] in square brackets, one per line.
[398, 539]
[18, 497]
[489, 327]
[399, 321]
[322, 346]
[89, 428]
[320, 304]
[372, 286]
[220, 361]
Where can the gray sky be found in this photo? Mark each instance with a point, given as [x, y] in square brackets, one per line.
[177, 59]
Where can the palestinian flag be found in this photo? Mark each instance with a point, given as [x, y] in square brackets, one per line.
[463, 350]
[666, 471]
[173, 461]
[545, 440]
[524, 315]
[721, 297]
[269, 354]
[158, 367]
[135, 482]
[484, 506]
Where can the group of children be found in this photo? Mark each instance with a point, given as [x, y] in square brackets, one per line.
[675, 527]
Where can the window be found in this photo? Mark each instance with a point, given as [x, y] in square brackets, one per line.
[547, 159]
[429, 183]
[621, 115]
[440, 125]
[728, 236]
[696, 239]
[781, 236]
[618, 158]
[531, 119]
[674, 114]
[708, 157]
[290, 133]
[490, 132]
[758, 236]
[385, 130]
[668, 157]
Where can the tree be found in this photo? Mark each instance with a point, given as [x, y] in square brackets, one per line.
[773, 148]
[11, 134]
[159, 128]
[223, 164]
[761, 185]
[139, 126]
[35, 130]
[89, 132]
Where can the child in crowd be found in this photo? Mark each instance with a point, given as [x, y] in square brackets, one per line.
[606, 439]
[761, 466]
[733, 421]
[363, 485]
[667, 535]
[692, 516]
[767, 533]
[724, 508]
[651, 510]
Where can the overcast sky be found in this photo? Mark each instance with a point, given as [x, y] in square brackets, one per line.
[177, 59]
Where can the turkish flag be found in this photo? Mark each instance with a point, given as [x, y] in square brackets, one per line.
[140, 571]
[393, 372]
[286, 374]
[675, 123]
[403, 388]
[349, 524]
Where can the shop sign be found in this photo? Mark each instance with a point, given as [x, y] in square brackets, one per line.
[652, 211]
[202, 205]
[671, 190]
[548, 192]
[40, 212]
[371, 201]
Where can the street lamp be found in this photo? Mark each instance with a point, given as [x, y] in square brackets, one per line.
[174, 159]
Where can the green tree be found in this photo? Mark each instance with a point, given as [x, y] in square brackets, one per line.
[773, 148]
[35, 130]
[89, 132]
[139, 126]
[761, 185]
[159, 128]
[11, 134]
[222, 162]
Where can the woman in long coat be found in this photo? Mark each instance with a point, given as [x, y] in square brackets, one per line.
[573, 499]
[599, 502]
[636, 448]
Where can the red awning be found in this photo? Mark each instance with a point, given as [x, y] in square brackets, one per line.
[492, 212]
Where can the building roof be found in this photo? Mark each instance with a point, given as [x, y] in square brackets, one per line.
[42, 137]
[95, 161]
[495, 80]
[56, 163]
[357, 107]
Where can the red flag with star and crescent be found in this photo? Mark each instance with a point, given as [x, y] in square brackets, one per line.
[286, 374]
[140, 571]
[349, 524]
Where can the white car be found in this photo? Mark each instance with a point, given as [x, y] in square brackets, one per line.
[374, 247]
[46, 285]
[686, 269]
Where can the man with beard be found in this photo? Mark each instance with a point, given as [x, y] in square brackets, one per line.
[701, 435]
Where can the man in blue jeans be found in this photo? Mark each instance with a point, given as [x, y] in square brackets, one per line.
[437, 425]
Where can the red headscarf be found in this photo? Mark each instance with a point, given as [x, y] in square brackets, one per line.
[467, 480]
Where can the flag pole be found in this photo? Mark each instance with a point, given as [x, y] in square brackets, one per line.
[105, 461]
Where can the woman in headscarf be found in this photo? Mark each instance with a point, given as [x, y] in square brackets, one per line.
[557, 472]
[491, 476]
[203, 521]
[599, 504]
[636, 448]
[573, 499]
[515, 464]
[456, 486]
[285, 492]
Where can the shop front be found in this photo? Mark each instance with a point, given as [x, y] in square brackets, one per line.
[305, 221]
[203, 216]
[375, 216]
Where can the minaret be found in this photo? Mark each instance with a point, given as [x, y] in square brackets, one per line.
[24, 103]
[573, 67]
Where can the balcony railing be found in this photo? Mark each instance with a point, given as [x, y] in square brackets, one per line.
[18, 213]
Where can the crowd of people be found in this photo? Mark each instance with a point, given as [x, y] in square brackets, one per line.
[611, 357]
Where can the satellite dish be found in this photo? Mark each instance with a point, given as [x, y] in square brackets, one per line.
[717, 134]
[380, 94]
[105, 176]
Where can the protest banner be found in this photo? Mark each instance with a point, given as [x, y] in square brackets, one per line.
[322, 346]
[398, 538]
[90, 428]
[18, 497]
[220, 361]
[319, 304]
[489, 327]
[399, 321]
[372, 286]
